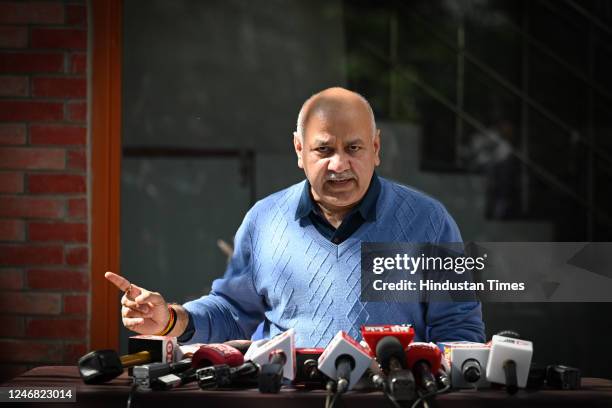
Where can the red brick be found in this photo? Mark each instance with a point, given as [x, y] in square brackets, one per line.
[31, 255]
[10, 371]
[75, 304]
[59, 38]
[29, 351]
[78, 63]
[14, 86]
[77, 159]
[56, 328]
[32, 158]
[57, 279]
[12, 230]
[31, 13]
[59, 87]
[31, 207]
[15, 111]
[57, 231]
[57, 135]
[11, 182]
[13, 37]
[30, 303]
[12, 326]
[11, 279]
[77, 112]
[31, 62]
[56, 183]
[77, 208]
[12, 133]
[76, 15]
[74, 351]
[77, 256]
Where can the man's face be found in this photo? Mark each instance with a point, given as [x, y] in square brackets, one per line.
[338, 155]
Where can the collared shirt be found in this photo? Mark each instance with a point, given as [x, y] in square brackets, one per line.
[364, 211]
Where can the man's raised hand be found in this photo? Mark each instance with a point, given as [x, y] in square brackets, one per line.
[142, 311]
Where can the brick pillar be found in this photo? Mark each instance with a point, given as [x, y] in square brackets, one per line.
[44, 224]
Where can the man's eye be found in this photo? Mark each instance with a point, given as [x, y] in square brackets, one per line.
[354, 148]
[322, 149]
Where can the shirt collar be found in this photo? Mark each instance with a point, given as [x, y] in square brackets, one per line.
[366, 207]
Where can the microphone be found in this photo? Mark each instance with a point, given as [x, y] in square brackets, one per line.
[509, 362]
[344, 360]
[207, 355]
[271, 374]
[424, 359]
[307, 371]
[468, 362]
[399, 384]
[261, 352]
[97, 367]
[563, 377]
[100, 366]
[240, 345]
[374, 333]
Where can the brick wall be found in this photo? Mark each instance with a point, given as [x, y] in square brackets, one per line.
[44, 250]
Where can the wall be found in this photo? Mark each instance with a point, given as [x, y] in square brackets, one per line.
[44, 228]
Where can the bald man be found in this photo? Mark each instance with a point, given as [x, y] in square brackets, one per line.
[296, 262]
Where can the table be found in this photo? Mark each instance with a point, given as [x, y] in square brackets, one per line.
[596, 392]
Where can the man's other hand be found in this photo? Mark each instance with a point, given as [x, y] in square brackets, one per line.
[142, 311]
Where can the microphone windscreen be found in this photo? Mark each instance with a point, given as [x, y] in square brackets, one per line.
[240, 345]
[389, 348]
[427, 352]
[215, 354]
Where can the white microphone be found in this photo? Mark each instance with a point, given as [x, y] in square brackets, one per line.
[509, 362]
[467, 363]
[345, 361]
[261, 352]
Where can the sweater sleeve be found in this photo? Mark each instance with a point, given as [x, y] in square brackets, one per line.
[448, 321]
[233, 309]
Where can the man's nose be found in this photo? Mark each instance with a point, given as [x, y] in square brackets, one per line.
[338, 163]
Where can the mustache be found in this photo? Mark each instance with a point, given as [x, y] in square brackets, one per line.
[345, 175]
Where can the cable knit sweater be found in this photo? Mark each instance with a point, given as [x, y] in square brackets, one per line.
[286, 274]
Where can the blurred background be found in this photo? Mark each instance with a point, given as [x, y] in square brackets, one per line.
[500, 109]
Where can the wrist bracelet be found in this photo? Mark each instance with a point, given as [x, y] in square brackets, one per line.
[171, 322]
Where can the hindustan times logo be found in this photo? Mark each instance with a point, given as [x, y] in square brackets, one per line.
[412, 264]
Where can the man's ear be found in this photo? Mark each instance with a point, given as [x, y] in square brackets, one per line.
[376, 143]
[297, 144]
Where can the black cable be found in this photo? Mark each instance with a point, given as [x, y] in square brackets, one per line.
[133, 390]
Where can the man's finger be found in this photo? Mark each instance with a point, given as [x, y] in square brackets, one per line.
[131, 322]
[152, 298]
[119, 281]
[127, 302]
[127, 312]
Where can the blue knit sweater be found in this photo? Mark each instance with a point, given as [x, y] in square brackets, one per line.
[285, 273]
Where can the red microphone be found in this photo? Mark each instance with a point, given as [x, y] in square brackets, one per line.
[424, 359]
[215, 354]
[374, 333]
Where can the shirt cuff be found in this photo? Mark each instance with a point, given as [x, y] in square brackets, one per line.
[189, 330]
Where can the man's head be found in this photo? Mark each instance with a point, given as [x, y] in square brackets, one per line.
[337, 145]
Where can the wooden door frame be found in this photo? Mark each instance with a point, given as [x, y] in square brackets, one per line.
[105, 147]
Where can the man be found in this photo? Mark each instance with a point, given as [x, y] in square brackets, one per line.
[297, 259]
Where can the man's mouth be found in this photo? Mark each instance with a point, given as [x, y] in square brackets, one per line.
[339, 183]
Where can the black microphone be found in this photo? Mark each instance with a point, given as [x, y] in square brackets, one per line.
[399, 383]
[271, 374]
[345, 364]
